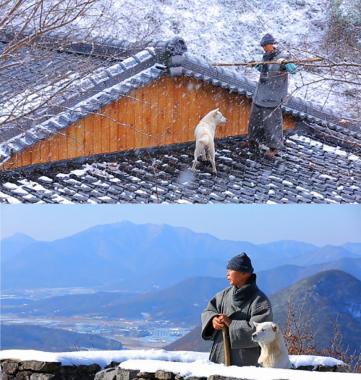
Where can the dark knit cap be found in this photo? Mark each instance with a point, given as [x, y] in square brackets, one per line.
[267, 39]
[240, 263]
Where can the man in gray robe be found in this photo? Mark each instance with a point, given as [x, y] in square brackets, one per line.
[266, 124]
[237, 307]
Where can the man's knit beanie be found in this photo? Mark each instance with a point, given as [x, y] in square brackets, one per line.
[240, 263]
[267, 39]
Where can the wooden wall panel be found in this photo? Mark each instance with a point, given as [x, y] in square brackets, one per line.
[170, 104]
[163, 115]
[223, 105]
[244, 112]
[177, 116]
[193, 108]
[53, 148]
[105, 125]
[155, 128]
[27, 159]
[111, 113]
[233, 126]
[80, 139]
[97, 133]
[35, 152]
[183, 116]
[166, 102]
[165, 112]
[138, 121]
[146, 103]
[126, 133]
[88, 124]
[71, 140]
[63, 144]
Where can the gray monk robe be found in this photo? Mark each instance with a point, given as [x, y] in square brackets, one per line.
[266, 123]
[243, 306]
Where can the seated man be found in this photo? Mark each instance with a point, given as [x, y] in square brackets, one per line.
[236, 307]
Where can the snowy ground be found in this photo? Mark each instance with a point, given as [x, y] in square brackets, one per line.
[230, 31]
[207, 369]
[186, 363]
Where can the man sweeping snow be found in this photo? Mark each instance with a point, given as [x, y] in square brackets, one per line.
[266, 123]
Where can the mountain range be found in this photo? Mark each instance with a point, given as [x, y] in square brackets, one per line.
[190, 294]
[322, 304]
[132, 257]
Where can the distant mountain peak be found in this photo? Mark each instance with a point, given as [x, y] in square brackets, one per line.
[19, 236]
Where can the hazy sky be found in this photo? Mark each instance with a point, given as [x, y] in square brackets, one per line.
[318, 224]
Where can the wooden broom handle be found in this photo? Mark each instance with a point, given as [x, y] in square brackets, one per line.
[254, 63]
[226, 346]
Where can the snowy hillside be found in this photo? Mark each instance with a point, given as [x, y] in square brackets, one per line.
[230, 31]
[221, 30]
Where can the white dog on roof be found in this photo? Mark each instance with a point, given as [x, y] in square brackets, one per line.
[204, 134]
[274, 353]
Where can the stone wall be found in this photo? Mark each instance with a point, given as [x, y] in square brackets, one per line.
[125, 374]
[37, 370]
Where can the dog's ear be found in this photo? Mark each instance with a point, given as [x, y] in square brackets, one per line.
[274, 327]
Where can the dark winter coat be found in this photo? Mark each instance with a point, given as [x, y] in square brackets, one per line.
[272, 86]
[243, 306]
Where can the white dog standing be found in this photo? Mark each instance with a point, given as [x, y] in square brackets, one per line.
[204, 134]
[274, 352]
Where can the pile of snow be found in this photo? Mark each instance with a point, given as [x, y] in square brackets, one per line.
[103, 358]
[201, 369]
[186, 363]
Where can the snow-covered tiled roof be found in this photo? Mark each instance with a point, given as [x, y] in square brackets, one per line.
[308, 170]
[107, 80]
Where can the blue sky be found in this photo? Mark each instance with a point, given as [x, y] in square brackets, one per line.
[318, 224]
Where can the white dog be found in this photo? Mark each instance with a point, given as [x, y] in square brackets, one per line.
[204, 134]
[273, 348]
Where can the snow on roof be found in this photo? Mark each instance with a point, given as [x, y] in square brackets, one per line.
[307, 171]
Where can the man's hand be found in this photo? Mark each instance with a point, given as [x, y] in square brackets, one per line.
[225, 320]
[281, 61]
[216, 323]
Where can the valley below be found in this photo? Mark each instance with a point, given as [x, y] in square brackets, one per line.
[131, 333]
